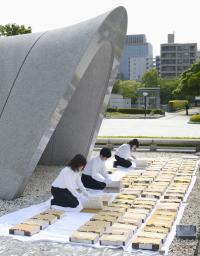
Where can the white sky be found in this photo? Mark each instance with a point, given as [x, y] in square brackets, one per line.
[155, 18]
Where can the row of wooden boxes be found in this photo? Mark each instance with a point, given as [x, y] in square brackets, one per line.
[156, 229]
[36, 223]
[119, 222]
[129, 213]
[116, 223]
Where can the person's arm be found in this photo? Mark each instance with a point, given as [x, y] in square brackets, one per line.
[104, 172]
[80, 185]
[68, 177]
[96, 174]
[132, 156]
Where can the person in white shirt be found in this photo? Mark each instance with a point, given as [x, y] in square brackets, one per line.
[65, 187]
[94, 175]
[123, 154]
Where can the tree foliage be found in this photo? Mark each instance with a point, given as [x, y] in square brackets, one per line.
[127, 88]
[14, 29]
[189, 83]
[150, 78]
[166, 90]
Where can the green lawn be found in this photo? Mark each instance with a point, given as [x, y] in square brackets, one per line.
[145, 137]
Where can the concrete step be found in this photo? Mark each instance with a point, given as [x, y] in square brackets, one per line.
[159, 149]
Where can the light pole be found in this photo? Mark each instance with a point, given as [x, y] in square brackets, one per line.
[145, 103]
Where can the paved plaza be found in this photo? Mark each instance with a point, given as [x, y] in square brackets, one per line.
[172, 125]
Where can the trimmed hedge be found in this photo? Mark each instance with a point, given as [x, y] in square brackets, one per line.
[195, 118]
[136, 111]
[158, 111]
[112, 110]
[175, 105]
[133, 110]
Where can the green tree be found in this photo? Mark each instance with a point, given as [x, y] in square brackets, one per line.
[116, 86]
[150, 78]
[166, 90]
[189, 83]
[14, 29]
[127, 88]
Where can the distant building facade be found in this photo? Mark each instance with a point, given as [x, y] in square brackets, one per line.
[118, 101]
[198, 55]
[157, 64]
[176, 58]
[137, 57]
[138, 66]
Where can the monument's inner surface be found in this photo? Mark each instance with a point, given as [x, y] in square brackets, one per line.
[81, 116]
[54, 88]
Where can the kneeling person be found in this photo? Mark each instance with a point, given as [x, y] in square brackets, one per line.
[65, 187]
[94, 175]
[123, 155]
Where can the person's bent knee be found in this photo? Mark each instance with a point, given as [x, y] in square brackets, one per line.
[103, 185]
[75, 203]
[129, 165]
[100, 186]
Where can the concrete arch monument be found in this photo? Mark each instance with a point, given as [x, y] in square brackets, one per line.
[54, 89]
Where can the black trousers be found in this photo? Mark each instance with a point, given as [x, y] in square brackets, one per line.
[89, 182]
[122, 162]
[63, 197]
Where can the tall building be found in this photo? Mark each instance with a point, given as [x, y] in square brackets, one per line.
[176, 58]
[157, 64]
[137, 57]
[198, 55]
[138, 66]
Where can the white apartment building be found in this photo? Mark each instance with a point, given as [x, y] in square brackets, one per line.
[138, 66]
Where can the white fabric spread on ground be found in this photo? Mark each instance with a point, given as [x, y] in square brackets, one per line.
[61, 230]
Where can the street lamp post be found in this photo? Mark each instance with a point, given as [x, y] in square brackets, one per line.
[145, 94]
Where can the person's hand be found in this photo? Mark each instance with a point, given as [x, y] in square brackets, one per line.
[133, 165]
[130, 158]
[86, 194]
[108, 181]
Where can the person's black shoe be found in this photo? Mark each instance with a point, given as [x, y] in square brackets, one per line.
[52, 202]
[115, 164]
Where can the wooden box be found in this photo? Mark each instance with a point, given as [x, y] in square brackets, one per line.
[48, 217]
[58, 214]
[41, 223]
[24, 230]
[84, 237]
[145, 243]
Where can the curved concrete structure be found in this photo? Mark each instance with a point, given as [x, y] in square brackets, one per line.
[59, 83]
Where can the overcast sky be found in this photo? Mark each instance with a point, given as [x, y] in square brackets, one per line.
[155, 18]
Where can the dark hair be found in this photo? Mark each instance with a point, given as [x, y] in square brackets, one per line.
[134, 142]
[77, 161]
[105, 152]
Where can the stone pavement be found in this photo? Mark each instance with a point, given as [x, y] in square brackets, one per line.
[172, 125]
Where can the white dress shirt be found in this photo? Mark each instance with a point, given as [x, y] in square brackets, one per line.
[70, 180]
[124, 151]
[96, 169]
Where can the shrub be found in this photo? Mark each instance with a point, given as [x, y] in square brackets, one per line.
[195, 118]
[158, 111]
[112, 110]
[133, 110]
[175, 105]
